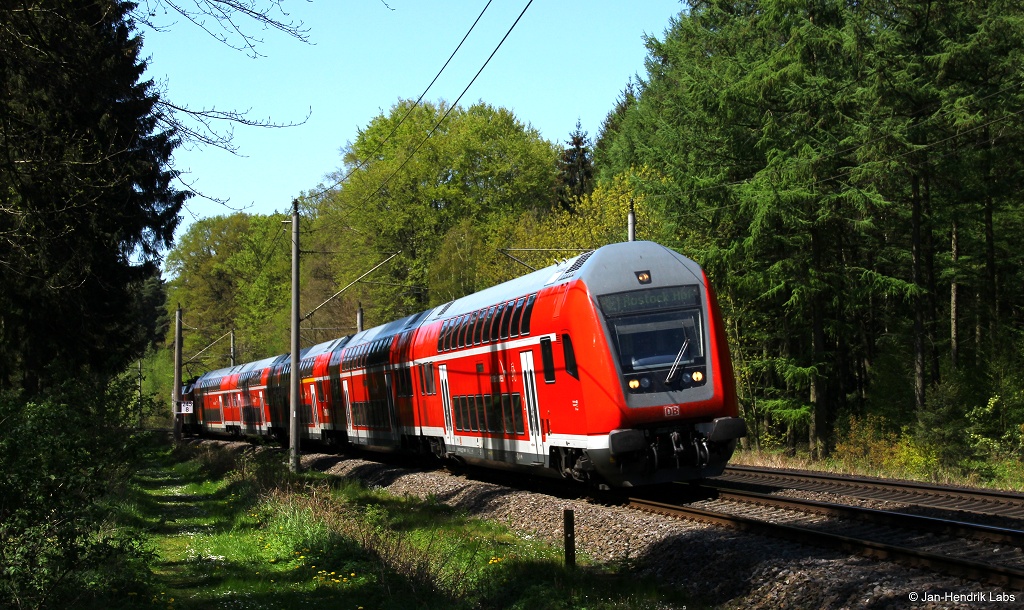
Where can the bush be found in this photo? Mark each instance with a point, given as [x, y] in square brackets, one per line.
[62, 456]
[870, 445]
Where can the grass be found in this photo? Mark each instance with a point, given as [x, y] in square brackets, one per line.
[999, 474]
[236, 530]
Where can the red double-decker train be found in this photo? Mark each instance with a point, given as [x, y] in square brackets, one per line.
[609, 368]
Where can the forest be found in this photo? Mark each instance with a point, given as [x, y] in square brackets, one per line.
[847, 172]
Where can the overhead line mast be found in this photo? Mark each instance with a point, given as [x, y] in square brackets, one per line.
[293, 428]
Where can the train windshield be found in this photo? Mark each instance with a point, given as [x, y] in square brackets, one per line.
[659, 328]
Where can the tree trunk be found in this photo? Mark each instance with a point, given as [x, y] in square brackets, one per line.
[920, 301]
[954, 298]
[818, 432]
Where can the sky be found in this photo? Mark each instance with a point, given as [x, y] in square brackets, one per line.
[565, 61]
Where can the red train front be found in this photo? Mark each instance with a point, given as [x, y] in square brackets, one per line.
[610, 368]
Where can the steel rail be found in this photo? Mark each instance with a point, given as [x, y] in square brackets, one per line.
[968, 568]
[935, 525]
[996, 502]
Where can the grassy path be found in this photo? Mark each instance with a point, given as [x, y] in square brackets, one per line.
[218, 546]
[235, 530]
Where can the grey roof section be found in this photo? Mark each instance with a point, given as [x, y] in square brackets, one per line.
[613, 268]
[607, 270]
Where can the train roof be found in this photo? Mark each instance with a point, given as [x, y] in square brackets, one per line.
[608, 269]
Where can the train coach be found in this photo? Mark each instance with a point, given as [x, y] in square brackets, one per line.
[610, 368]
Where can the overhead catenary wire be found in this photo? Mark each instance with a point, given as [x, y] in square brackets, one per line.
[450, 108]
[350, 284]
[408, 112]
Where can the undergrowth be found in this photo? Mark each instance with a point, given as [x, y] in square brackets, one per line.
[235, 529]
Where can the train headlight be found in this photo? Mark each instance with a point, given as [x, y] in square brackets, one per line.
[645, 382]
[634, 384]
[697, 376]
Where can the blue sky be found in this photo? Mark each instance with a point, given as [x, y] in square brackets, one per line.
[566, 60]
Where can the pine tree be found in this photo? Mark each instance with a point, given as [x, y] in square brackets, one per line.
[85, 188]
[576, 169]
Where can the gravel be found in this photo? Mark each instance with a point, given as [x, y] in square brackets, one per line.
[712, 565]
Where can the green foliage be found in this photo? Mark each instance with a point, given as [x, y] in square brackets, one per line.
[64, 456]
[224, 539]
[232, 273]
[447, 209]
[86, 202]
[817, 179]
[870, 445]
[576, 169]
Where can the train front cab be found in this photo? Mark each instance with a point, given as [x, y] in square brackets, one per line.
[662, 386]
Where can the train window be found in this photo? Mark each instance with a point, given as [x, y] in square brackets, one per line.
[548, 359]
[478, 326]
[517, 315]
[495, 327]
[467, 414]
[487, 325]
[658, 339]
[466, 331]
[474, 412]
[517, 414]
[506, 409]
[452, 335]
[506, 319]
[570, 357]
[429, 388]
[449, 339]
[458, 412]
[471, 332]
[457, 332]
[456, 341]
[493, 410]
[404, 381]
[445, 333]
[527, 312]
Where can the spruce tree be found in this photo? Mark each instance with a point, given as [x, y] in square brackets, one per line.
[85, 188]
[576, 169]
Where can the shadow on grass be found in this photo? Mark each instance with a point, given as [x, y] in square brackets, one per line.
[211, 550]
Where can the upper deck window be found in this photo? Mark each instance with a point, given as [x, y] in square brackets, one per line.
[517, 315]
[527, 314]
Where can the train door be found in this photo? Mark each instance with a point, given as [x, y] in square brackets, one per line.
[314, 406]
[446, 403]
[389, 386]
[257, 410]
[355, 434]
[532, 408]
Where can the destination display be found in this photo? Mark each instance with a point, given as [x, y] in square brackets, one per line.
[650, 299]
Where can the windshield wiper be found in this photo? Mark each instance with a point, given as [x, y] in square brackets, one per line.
[675, 364]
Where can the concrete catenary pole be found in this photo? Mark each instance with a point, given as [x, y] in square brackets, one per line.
[631, 222]
[176, 390]
[293, 429]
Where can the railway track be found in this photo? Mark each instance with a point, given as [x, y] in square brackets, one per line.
[940, 497]
[956, 542]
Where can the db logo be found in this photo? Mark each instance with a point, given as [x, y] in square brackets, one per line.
[672, 411]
